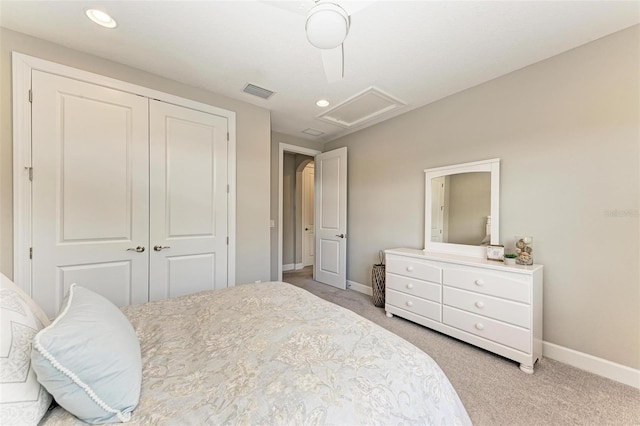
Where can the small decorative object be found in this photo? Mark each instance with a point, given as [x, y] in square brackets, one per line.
[524, 250]
[495, 252]
[378, 282]
[510, 259]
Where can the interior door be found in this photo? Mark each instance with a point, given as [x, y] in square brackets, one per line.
[89, 191]
[331, 217]
[188, 201]
[308, 243]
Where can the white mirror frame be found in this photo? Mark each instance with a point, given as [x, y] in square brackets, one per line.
[492, 166]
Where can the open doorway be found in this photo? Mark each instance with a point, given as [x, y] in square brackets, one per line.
[292, 161]
[297, 212]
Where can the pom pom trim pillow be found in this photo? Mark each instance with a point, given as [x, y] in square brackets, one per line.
[23, 401]
[89, 359]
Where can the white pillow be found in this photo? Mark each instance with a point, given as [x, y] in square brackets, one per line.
[23, 401]
[89, 359]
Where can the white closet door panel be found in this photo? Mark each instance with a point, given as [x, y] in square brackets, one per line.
[188, 200]
[190, 162]
[90, 190]
[95, 168]
[111, 279]
[190, 274]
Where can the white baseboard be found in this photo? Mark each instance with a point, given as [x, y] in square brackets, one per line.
[360, 288]
[291, 267]
[601, 367]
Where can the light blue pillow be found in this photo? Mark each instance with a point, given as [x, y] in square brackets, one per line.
[89, 359]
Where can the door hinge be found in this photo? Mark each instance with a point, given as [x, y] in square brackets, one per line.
[227, 240]
[227, 136]
[30, 95]
[30, 252]
[30, 169]
[228, 190]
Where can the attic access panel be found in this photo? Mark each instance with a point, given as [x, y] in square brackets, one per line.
[365, 106]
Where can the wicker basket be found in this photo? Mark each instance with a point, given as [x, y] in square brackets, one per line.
[377, 282]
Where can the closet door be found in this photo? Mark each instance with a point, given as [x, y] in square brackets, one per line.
[90, 191]
[188, 201]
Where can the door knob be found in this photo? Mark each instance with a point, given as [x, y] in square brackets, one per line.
[159, 248]
[138, 249]
[340, 235]
[306, 229]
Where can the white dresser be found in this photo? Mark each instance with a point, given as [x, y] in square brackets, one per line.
[482, 302]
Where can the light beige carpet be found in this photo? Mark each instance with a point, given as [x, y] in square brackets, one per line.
[493, 389]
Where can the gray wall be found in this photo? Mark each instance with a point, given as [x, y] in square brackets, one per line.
[253, 143]
[276, 140]
[566, 130]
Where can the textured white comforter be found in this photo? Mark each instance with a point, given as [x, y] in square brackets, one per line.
[272, 354]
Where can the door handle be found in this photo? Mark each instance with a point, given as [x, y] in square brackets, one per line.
[159, 248]
[306, 229]
[340, 235]
[138, 249]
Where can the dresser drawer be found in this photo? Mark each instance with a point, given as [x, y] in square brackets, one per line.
[504, 310]
[502, 286]
[414, 268]
[497, 331]
[424, 289]
[414, 304]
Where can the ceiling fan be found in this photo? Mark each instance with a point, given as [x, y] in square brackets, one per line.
[327, 27]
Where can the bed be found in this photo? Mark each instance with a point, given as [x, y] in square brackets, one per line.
[272, 353]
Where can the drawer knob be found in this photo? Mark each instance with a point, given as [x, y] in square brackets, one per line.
[410, 268]
[409, 303]
[479, 304]
[479, 326]
[409, 286]
[479, 282]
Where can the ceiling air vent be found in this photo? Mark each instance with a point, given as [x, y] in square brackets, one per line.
[313, 132]
[258, 91]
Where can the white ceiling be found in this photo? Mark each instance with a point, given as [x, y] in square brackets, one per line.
[416, 51]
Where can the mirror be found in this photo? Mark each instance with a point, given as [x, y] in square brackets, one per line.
[461, 207]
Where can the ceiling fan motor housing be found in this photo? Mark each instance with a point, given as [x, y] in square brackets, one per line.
[327, 25]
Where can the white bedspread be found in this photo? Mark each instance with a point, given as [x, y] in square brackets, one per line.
[272, 354]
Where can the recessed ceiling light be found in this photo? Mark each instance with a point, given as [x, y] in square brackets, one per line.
[101, 18]
[322, 103]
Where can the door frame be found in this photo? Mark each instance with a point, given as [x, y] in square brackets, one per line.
[282, 148]
[22, 66]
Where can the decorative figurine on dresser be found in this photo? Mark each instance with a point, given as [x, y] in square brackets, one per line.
[451, 286]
